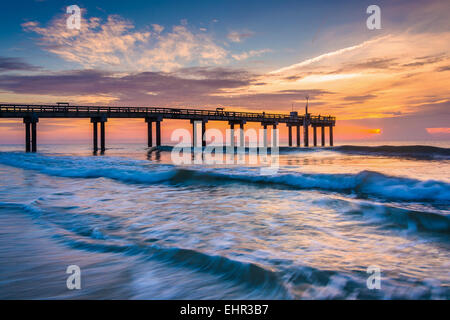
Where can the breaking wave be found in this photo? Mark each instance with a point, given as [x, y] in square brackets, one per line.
[417, 151]
[364, 184]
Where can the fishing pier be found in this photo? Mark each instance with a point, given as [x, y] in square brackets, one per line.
[99, 115]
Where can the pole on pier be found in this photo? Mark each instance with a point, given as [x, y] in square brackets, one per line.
[30, 133]
[95, 134]
[323, 136]
[102, 136]
[158, 133]
[33, 136]
[290, 135]
[149, 132]
[306, 135]
[298, 136]
[27, 137]
[315, 135]
[194, 133]
[241, 135]
[265, 135]
[331, 135]
[203, 133]
[274, 135]
[232, 134]
[95, 121]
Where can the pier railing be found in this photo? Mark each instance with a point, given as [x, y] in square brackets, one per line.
[149, 111]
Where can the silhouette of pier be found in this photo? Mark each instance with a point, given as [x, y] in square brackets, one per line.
[100, 115]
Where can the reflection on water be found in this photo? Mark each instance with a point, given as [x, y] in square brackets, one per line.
[141, 228]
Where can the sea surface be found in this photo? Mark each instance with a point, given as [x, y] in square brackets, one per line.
[141, 227]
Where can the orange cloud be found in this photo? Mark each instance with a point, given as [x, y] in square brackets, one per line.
[438, 131]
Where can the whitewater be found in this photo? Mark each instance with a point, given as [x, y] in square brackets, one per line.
[141, 227]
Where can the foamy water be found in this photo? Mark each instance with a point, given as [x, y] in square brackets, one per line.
[140, 227]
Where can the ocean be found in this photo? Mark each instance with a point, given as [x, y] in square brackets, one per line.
[140, 227]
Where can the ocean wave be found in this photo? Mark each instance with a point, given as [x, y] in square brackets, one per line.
[389, 215]
[91, 238]
[415, 151]
[364, 184]
[295, 279]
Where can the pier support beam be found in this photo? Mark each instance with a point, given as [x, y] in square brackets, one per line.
[194, 123]
[149, 132]
[265, 135]
[290, 135]
[306, 135]
[274, 135]
[31, 133]
[158, 133]
[203, 133]
[331, 135]
[95, 121]
[323, 136]
[298, 136]
[194, 133]
[241, 135]
[315, 135]
[95, 135]
[149, 121]
[241, 123]
[102, 136]
[27, 136]
[232, 134]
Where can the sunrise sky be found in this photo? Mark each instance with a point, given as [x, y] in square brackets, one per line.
[388, 84]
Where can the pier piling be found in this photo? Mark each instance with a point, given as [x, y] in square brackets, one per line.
[31, 132]
[158, 133]
[95, 121]
[323, 135]
[149, 132]
[331, 136]
[315, 135]
[290, 135]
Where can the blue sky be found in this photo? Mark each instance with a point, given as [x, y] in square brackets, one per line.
[290, 29]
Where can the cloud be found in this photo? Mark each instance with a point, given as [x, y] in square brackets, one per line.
[360, 98]
[160, 84]
[15, 64]
[444, 68]
[115, 44]
[236, 36]
[158, 28]
[199, 86]
[249, 54]
[328, 55]
[421, 61]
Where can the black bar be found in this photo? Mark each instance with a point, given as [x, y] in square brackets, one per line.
[298, 136]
